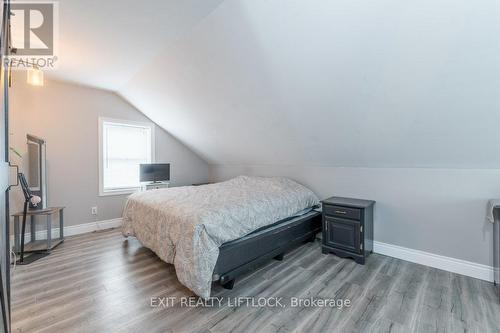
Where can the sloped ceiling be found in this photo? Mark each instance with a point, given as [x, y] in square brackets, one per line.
[332, 82]
[103, 43]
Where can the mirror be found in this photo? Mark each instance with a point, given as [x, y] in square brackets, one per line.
[37, 175]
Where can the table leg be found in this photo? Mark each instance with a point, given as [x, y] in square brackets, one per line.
[61, 224]
[32, 228]
[16, 235]
[49, 232]
[23, 231]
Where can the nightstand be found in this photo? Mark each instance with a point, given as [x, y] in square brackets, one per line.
[348, 227]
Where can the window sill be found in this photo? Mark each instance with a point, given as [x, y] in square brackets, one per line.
[118, 192]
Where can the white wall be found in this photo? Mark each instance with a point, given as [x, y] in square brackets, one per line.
[66, 115]
[441, 211]
[399, 100]
[333, 82]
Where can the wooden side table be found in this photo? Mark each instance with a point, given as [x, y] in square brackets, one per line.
[43, 244]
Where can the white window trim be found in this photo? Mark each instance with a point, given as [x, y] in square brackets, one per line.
[101, 121]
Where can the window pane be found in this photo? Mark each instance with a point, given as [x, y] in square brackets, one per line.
[124, 148]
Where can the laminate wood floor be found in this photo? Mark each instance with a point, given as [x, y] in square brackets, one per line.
[100, 282]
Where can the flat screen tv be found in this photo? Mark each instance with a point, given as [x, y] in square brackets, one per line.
[156, 172]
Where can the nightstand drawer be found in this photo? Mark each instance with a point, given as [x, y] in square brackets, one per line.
[345, 212]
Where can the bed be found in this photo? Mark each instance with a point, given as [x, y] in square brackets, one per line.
[218, 231]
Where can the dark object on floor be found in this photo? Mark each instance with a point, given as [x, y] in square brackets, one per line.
[249, 252]
[279, 257]
[32, 257]
[40, 248]
[27, 198]
[348, 227]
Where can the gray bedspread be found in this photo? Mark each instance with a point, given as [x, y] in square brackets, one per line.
[186, 225]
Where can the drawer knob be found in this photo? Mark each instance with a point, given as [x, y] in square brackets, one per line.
[340, 212]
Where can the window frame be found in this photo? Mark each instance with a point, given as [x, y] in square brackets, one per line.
[125, 122]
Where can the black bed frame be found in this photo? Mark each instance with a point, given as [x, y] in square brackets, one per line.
[251, 251]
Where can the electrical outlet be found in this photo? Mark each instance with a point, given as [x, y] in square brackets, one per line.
[94, 210]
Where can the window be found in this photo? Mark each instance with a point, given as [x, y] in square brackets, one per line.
[123, 145]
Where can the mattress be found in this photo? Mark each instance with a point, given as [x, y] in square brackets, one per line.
[186, 226]
[283, 221]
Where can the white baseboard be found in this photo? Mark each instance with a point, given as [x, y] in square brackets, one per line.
[458, 266]
[74, 229]
[89, 227]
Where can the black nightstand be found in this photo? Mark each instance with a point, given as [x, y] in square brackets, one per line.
[348, 227]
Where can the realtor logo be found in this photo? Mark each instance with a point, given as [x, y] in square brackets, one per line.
[34, 30]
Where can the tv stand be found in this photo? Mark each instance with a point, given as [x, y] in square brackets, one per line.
[154, 186]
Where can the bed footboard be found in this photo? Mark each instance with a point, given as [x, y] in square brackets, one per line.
[251, 251]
